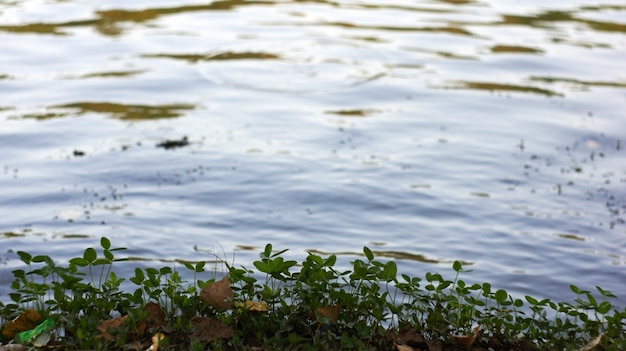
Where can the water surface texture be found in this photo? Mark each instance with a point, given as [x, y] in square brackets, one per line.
[489, 131]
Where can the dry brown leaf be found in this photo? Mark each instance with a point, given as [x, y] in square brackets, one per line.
[114, 323]
[594, 344]
[136, 345]
[254, 306]
[434, 345]
[156, 339]
[25, 321]
[218, 294]
[467, 340]
[210, 329]
[404, 348]
[154, 320]
[411, 337]
[327, 314]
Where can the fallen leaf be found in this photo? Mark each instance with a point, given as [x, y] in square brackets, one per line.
[218, 294]
[154, 320]
[136, 345]
[110, 324]
[25, 321]
[594, 344]
[156, 339]
[255, 306]
[210, 329]
[404, 348]
[413, 338]
[434, 345]
[467, 340]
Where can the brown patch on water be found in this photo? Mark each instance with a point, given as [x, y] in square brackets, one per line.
[515, 49]
[129, 112]
[107, 22]
[353, 113]
[594, 83]
[500, 87]
[548, 18]
[113, 74]
[229, 55]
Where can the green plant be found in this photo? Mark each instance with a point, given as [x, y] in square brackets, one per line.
[310, 306]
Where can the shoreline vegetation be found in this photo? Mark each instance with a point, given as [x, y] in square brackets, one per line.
[288, 305]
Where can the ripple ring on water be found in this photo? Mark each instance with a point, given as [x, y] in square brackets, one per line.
[300, 66]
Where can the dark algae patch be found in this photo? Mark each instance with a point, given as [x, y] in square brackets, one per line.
[288, 305]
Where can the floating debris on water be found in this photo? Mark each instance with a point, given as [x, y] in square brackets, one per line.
[172, 143]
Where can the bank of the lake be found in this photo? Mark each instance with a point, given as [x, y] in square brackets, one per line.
[307, 305]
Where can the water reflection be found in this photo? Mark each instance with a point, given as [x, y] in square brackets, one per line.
[578, 82]
[108, 22]
[569, 236]
[43, 115]
[128, 112]
[347, 25]
[113, 74]
[193, 58]
[515, 49]
[9, 235]
[443, 54]
[499, 87]
[547, 18]
[296, 66]
[353, 113]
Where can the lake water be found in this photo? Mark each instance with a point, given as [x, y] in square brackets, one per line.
[489, 131]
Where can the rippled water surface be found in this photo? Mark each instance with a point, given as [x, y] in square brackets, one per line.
[491, 132]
